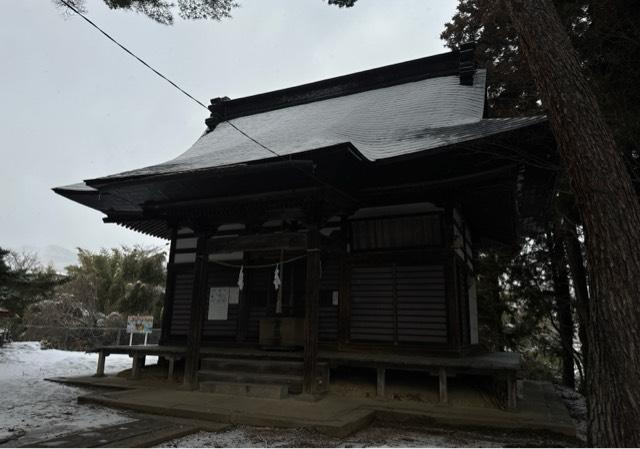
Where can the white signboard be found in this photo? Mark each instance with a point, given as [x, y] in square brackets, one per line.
[234, 295]
[335, 296]
[139, 324]
[218, 303]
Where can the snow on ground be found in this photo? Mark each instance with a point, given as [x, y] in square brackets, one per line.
[35, 408]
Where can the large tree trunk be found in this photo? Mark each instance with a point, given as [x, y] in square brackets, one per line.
[611, 215]
[563, 303]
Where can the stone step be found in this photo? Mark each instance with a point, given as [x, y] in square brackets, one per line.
[254, 390]
[294, 383]
[288, 367]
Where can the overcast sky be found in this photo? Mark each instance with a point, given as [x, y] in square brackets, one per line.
[74, 106]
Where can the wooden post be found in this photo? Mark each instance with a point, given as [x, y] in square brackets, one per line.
[172, 364]
[136, 366]
[198, 299]
[167, 308]
[444, 392]
[344, 302]
[243, 303]
[381, 382]
[512, 391]
[312, 310]
[451, 285]
[101, 359]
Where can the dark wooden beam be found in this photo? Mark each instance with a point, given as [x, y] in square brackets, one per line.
[231, 200]
[290, 241]
[450, 273]
[312, 311]
[344, 301]
[243, 303]
[194, 336]
[372, 194]
[167, 309]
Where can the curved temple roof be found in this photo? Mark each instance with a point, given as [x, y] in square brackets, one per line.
[416, 107]
[381, 123]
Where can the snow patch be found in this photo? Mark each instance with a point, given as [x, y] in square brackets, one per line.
[36, 408]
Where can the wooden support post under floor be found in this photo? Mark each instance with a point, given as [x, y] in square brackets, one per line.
[171, 368]
[444, 391]
[381, 382]
[512, 391]
[312, 311]
[101, 361]
[136, 368]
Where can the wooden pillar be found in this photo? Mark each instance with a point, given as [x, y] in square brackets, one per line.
[380, 382]
[512, 391]
[196, 320]
[344, 303]
[171, 368]
[101, 359]
[444, 390]
[136, 367]
[243, 303]
[167, 308]
[451, 285]
[312, 294]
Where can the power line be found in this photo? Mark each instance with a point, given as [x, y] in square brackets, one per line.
[72, 8]
[108, 36]
[254, 140]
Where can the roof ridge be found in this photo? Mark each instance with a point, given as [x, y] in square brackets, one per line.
[456, 62]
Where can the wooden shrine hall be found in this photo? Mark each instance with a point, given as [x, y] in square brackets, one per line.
[335, 223]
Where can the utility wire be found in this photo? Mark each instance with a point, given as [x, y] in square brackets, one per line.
[255, 141]
[108, 36]
[74, 9]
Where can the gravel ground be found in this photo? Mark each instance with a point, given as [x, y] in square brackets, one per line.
[373, 436]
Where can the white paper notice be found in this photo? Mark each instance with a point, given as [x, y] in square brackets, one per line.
[335, 295]
[218, 303]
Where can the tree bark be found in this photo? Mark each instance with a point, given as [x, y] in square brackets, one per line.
[563, 304]
[610, 212]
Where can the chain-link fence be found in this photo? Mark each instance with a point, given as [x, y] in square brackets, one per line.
[83, 338]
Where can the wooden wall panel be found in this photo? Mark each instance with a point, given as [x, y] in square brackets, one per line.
[372, 311]
[398, 304]
[329, 283]
[182, 292]
[422, 314]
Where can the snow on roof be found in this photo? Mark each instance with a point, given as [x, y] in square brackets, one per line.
[380, 123]
[78, 187]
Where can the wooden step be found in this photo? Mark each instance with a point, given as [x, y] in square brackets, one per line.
[287, 367]
[254, 390]
[294, 383]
